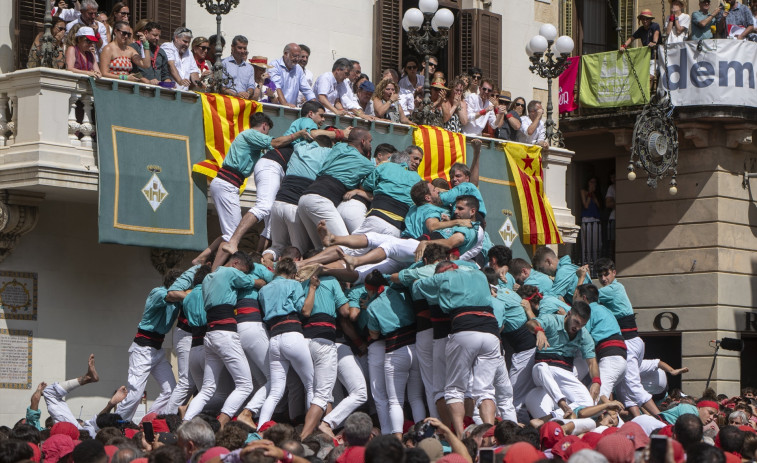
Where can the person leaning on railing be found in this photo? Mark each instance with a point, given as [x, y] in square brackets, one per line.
[117, 57]
[80, 54]
[702, 21]
[59, 59]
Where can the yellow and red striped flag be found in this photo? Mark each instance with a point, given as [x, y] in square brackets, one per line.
[441, 149]
[538, 224]
[224, 117]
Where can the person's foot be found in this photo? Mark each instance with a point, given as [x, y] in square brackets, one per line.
[91, 375]
[326, 237]
[349, 261]
[199, 260]
[229, 247]
[305, 272]
[119, 395]
[326, 429]
[246, 418]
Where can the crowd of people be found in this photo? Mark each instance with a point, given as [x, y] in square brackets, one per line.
[114, 46]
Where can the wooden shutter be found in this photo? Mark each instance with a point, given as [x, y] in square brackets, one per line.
[170, 14]
[30, 16]
[566, 18]
[387, 36]
[141, 10]
[481, 43]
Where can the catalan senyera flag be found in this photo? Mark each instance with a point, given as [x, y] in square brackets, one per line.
[224, 117]
[538, 224]
[441, 149]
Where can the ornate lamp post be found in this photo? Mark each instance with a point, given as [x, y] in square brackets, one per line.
[47, 51]
[546, 65]
[427, 31]
[218, 8]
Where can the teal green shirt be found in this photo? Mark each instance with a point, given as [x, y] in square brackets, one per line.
[280, 297]
[393, 180]
[671, 415]
[194, 308]
[449, 197]
[258, 272]
[185, 280]
[566, 280]
[221, 286]
[300, 124]
[514, 315]
[454, 289]
[509, 282]
[550, 305]
[32, 418]
[390, 311]
[346, 164]
[559, 340]
[415, 220]
[329, 296]
[159, 315]
[355, 296]
[418, 271]
[602, 323]
[614, 297]
[540, 280]
[307, 160]
[245, 151]
[470, 236]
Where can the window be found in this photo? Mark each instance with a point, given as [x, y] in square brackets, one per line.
[593, 23]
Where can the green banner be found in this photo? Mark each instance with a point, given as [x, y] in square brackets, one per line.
[608, 79]
[147, 142]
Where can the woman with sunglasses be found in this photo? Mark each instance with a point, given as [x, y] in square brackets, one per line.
[59, 59]
[509, 130]
[200, 50]
[117, 57]
[454, 108]
[119, 12]
[475, 80]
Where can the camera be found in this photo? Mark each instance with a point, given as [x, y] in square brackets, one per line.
[425, 431]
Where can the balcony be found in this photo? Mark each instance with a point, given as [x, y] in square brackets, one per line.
[48, 144]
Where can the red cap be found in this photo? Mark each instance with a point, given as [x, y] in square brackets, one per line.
[633, 431]
[352, 455]
[64, 427]
[36, 453]
[522, 452]
[549, 434]
[747, 428]
[678, 453]
[149, 418]
[139, 460]
[452, 458]
[609, 431]
[562, 447]
[489, 432]
[129, 432]
[616, 448]
[213, 452]
[265, 426]
[731, 457]
[110, 450]
[57, 446]
[666, 431]
[160, 426]
[591, 438]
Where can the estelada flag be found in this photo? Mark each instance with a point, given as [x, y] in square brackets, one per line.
[538, 224]
[224, 117]
[441, 149]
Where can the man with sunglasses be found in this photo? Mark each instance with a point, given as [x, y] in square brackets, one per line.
[702, 21]
[475, 80]
[410, 83]
[88, 13]
[482, 110]
[159, 71]
[181, 62]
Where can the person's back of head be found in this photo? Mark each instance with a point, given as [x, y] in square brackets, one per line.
[91, 451]
[293, 447]
[704, 453]
[688, 430]
[26, 433]
[504, 432]
[257, 456]
[13, 450]
[126, 454]
[104, 435]
[166, 454]
[528, 434]
[279, 432]
[196, 434]
[731, 439]
[416, 455]
[357, 429]
[384, 449]
[231, 437]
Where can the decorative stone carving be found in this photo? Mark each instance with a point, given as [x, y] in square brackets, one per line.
[739, 135]
[19, 215]
[164, 260]
[699, 134]
[623, 138]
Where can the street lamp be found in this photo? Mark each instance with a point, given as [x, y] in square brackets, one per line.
[46, 53]
[218, 8]
[427, 30]
[541, 51]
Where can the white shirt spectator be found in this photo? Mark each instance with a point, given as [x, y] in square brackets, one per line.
[309, 79]
[349, 99]
[539, 135]
[407, 94]
[684, 21]
[185, 64]
[290, 81]
[326, 84]
[99, 28]
[368, 108]
[476, 124]
[66, 14]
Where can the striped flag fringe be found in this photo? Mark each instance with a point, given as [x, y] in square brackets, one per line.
[224, 117]
[538, 225]
[441, 149]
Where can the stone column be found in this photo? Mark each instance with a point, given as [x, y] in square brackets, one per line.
[555, 163]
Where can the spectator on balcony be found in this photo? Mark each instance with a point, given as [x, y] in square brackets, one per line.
[476, 75]
[59, 58]
[410, 84]
[739, 21]
[119, 12]
[433, 65]
[455, 108]
[481, 109]
[240, 71]
[365, 92]
[511, 126]
[702, 21]
[331, 86]
[149, 31]
[88, 12]
[304, 60]
[182, 64]
[212, 52]
[438, 93]
[386, 102]
[201, 50]
[677, 29]
[80, 55]
[349, 99]
[117, 57]
[263, 80]
[532, 127]
[648, 33]
[289, 77]
[60, 8]
[591, 231]
[392, 75]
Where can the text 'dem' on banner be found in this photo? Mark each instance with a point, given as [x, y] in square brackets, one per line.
[148, 139]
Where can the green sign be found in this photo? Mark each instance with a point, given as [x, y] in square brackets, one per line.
[608, 79]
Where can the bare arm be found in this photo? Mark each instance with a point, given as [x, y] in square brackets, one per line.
[474, 167]
[285, 140]
[457, 445]
[307, 308]
[380, 108]
[34, 402]
[594, 372]
[434, 224]
[325, 102]
[176, 296]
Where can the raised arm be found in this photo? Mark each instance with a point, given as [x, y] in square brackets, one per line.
[307, 308]
[474, 167]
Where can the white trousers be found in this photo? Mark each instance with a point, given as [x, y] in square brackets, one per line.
[226, 199]
[287, 349]
[197, 372]
[313, 208]
[612, 371]
[424, 348]
[471, 353]
[630, 391]
[287, 230]
[376, 230]
[353, 214]
[378, 384]
[223, 350]
[55, 400]
[254, 340]
[144, 361]
[402, 371]
[268, 175]
[352, 378]
[471, 253]
[521, 365]
[324, 355]
[561, 384]
[503, 392]
[182, 343]
[440, 367]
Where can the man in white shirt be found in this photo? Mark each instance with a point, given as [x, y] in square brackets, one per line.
[532, 127]
[679, 23]
[481, 110]
[289, 77]
[349, 99]
[181, 62]
[331, 86]
[303, 62]
[88, 13]
[409, 84]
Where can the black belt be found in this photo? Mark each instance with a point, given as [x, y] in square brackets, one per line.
[328, 187]
[292, 187]
[147, 338]
[284, 324]
[402, 337]
[221, 318]
[628, 327]
[521, 339]
[231, 175]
